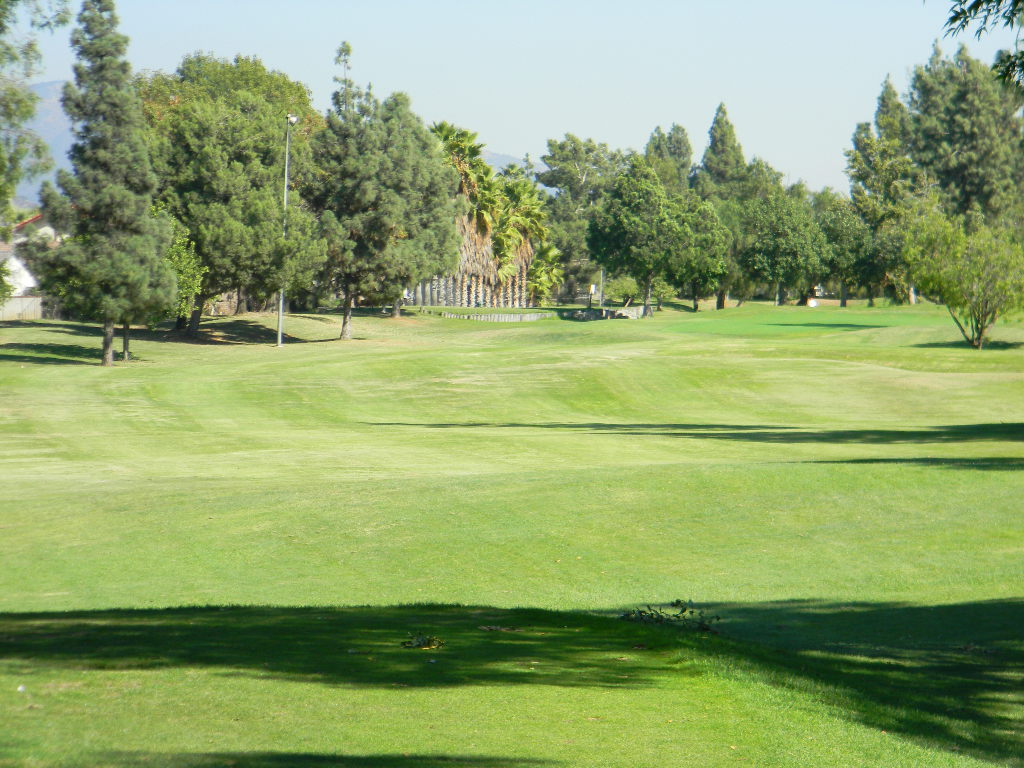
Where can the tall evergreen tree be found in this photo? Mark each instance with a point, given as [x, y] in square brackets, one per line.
[883, 181]
[110, 267]
[892, 118]
[967, 133]
[722, 169]
[671, 157]
[726, 180]
[385, 195]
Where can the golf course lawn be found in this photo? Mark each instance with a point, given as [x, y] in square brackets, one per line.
[212, 556]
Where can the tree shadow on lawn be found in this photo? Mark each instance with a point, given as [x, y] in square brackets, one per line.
[306, 760]
[989, 345]
[359, 647]
[985, 464]
[947, 676]
[50, 354]
[212, 331]
[951, 433]
[830, 326]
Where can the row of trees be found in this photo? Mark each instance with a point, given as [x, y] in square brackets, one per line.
[955, 146]
[177, 181]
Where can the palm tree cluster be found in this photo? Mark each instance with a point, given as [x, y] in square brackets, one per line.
[505, 218]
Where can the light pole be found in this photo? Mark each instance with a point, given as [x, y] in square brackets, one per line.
[290, 121]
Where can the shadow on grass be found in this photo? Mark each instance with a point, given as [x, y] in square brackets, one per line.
[830, 326]
[987, 463]
[947, 676]
[50, 354]
[989, 345]
[952, 433]
[306, 760]
[342, 646]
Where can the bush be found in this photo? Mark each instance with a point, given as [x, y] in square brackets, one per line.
[622, 289]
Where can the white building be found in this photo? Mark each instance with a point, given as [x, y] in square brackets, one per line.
[25, 303]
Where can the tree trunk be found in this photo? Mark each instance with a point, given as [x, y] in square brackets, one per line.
[346, 316]
[721, 297]
[396, 308]
[196, 316]
[241, 303]
[180, 323]
[778, 294]
[125, 353]
[696, 305]
[912, 294]
[648, 312]
[108, 343]
[844, 294]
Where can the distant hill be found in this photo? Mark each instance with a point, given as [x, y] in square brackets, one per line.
[53, 126]
[498, 161]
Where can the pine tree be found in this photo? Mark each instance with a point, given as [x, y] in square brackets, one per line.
[384, 194]
[967, 133]
[722, 168]
[731, 185]
[110, 266]
[892, 118]
[670, 155]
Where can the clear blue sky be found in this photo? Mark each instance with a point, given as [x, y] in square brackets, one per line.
[796, 75]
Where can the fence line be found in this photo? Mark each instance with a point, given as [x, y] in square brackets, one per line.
[22, 308]
[501, 317]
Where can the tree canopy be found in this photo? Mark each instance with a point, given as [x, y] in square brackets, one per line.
[975, 270]
[385, 197]
[671, 157]
[218, 140]
[786, 247]
[640, 231]
[967, 133]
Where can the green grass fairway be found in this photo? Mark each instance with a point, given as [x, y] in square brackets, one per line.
[210, 558]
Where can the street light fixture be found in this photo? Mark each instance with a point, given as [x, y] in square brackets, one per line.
[289, 121]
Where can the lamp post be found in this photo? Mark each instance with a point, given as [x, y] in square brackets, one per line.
[290, 121]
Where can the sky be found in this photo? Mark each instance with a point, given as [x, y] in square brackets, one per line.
[796, 75]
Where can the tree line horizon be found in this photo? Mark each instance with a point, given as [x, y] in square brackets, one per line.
[175, 198]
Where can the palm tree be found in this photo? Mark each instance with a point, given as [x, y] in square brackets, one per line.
[506, 213]
[546, 273]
